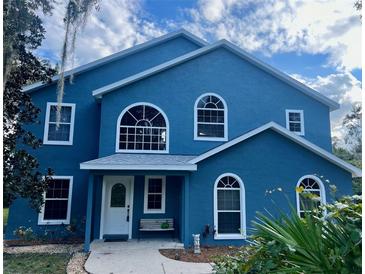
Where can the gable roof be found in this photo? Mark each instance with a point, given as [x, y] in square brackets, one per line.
[130, 161]
[156, 41]
[286, 133]
[220, 44]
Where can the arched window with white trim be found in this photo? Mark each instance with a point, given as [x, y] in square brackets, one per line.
[229, 207]
[210, 118]
[309, 184]
[142, 127]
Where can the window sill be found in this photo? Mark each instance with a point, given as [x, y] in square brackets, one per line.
[229, 237]
[141, 151]
[154, 212]
[58, 143]
[212, 139]
[54, 222]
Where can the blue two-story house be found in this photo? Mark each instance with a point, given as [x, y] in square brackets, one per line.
[176, 128]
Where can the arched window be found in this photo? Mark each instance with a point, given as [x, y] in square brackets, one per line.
[309, 184]
[142, 127]
[210, 118]
[117, 196]
[229, 207]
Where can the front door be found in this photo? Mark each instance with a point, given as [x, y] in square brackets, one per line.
[117, 197]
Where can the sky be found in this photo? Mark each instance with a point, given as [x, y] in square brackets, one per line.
[316, 42]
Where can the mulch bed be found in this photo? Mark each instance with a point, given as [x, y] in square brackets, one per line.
[207, 253]
[11, 243]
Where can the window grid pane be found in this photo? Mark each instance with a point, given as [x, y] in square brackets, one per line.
[143, 128]
[154, 194]
[210, 117]
[306, 204]
[56, 200]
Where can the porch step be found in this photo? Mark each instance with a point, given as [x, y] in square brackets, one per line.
[115, 237]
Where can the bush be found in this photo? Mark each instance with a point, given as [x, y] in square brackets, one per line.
[23, 233]
[317, 243]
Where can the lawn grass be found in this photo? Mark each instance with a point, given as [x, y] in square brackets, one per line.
[35, 263]
[5, 216]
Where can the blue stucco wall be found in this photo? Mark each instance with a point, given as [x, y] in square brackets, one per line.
[253, 96]
[264, 162]
[65, 160]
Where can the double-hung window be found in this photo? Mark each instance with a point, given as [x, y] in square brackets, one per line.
[295, 121]
[229, 207]
[210, 118]
[61, 133]
[309, 184]
[57, 201]
[154, 194]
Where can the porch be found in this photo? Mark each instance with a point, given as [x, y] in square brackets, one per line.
[120, 195]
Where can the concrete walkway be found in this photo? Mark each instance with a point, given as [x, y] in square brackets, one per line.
[138, 257]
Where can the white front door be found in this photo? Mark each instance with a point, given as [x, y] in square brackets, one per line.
[116, 205]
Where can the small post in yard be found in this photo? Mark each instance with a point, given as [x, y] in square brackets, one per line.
[196, 238]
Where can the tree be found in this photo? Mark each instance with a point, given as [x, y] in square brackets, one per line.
[352, 152]
[352, 123]
[23, 33]
[77, 12]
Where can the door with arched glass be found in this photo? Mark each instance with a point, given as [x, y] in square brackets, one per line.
[116, 205]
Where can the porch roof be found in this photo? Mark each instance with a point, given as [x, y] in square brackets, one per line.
[129, 161]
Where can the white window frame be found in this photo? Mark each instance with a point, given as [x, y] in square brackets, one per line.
[66, 221]
[142, 151]
[163, 196]
[46, 124]
[301, 112]
[199, 138]
[230, 236]
[321, 189]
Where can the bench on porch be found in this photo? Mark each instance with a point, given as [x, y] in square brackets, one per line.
[156, 225]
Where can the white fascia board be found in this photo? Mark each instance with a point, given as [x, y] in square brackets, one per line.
[233, 48]
[188, 167]
[356, 172]
[120, 54]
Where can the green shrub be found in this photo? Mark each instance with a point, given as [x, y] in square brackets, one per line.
[317, 243]
[23, 233]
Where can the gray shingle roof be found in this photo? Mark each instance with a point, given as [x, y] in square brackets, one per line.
[130, 161]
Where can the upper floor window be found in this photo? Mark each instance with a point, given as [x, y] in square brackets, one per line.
[309, 185]
[57, 201]
[61, 134]
[210, 118]
[229, 207]
[142, 127]
[295, 121]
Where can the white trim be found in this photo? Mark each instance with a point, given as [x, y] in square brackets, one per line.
[142, 151]
[102, 214]
[163, 196]
[196, 137]
[198, 41]
[290, 135]
[321, 189]
[233, 48]
[46, 124]
[301, 112]
[233, 236]
[185, 167]
[66, 221]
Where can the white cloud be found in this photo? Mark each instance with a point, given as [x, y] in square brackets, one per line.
[343, 88]
[330, 26]
[116, 25]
